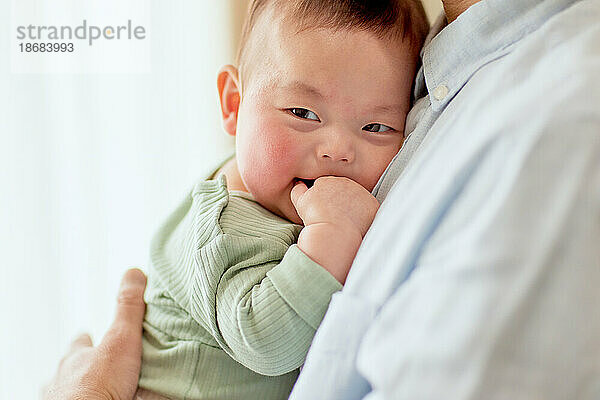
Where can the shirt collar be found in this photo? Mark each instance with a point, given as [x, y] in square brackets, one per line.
[481, 34]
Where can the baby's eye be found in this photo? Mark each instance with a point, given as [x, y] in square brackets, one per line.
[304, 113]
[377, 128]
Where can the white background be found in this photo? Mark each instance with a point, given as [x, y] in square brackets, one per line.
[89, 166]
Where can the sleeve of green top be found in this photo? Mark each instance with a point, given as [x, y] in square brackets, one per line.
[266, 315]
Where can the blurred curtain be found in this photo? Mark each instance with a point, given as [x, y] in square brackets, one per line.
[90, 164]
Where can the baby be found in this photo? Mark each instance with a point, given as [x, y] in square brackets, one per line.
[244, 269]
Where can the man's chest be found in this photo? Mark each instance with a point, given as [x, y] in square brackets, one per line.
[433, 198]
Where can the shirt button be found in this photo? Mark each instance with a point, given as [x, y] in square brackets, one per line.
[440, 92]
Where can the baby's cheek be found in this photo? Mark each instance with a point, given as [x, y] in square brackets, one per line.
[376, 169]
[280, 151]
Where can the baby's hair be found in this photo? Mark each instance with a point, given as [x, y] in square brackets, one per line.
[403, 19]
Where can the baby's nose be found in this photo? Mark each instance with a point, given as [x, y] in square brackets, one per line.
[337, 149]
[334, 156]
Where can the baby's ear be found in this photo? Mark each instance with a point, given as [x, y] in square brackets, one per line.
[229, 95]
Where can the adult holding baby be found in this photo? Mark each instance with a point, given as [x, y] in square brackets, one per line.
[479, 276]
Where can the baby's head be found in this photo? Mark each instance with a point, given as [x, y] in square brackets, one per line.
[322, 88]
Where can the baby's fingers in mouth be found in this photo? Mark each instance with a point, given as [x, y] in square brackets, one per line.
[308, 182]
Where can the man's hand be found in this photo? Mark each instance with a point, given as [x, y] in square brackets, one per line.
[337, 212]
[109, 371]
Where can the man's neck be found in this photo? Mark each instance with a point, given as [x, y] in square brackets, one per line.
[454, 8]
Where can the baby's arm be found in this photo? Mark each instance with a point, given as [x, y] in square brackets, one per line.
[267, 315]
[230, 267]
[337, 212]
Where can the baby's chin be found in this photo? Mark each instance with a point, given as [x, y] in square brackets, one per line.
[286, 211]
[280, 205]
[289, 213]
[295, 218]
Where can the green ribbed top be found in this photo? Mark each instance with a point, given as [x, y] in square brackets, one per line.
[232, 303]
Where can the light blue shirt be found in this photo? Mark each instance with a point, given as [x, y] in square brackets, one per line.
[480, 276]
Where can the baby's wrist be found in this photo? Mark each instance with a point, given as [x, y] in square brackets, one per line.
[332, 246]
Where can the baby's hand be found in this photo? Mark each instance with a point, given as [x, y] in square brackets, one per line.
[335, 200]
[337, 212]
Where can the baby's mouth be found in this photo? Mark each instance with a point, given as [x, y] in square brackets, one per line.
[308, 182]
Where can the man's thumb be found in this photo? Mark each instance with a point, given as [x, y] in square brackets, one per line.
[130, 306]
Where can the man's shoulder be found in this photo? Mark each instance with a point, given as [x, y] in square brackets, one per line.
[546, 83]
[561, 60]
[568, 42]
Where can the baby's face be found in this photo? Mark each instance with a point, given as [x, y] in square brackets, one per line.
[320, 103]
